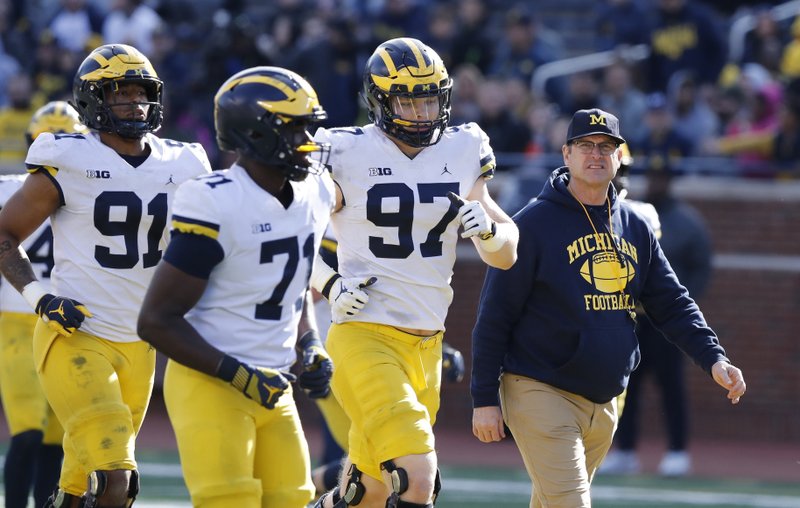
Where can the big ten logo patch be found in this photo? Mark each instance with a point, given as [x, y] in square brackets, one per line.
[380, 171]
[266, 227]
[98, 173]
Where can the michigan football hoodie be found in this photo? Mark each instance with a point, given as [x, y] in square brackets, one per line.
[564, 313]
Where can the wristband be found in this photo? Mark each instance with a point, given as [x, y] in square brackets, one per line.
[322, 276]
[326, 289]
[494, 243]
[310, 338]
[228, 367]
[33, 292]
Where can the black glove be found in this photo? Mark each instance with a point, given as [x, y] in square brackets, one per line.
[261, 384]
[62, 315]
[317, 366]
[452, 364]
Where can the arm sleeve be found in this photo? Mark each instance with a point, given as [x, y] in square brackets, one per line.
[194, 254]
[194, 245]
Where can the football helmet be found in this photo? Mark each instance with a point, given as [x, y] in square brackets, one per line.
[263, 113]
[405, 68]
[57, 117]
[106, 68]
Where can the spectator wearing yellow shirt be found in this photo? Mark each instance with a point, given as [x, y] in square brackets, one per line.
[14, 120]
[790, 63]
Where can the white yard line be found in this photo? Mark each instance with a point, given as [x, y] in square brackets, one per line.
[471, 489]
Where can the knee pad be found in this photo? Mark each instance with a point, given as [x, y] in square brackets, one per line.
[352, 496]
[60, 499]
[98, 482]
[355, 489]
[399, 477]
[400, 485]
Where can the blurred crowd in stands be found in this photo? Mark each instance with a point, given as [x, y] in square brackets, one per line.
[690, 99]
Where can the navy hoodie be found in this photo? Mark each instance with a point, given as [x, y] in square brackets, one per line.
[561, 314]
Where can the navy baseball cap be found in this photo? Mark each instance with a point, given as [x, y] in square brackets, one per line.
[586, 122]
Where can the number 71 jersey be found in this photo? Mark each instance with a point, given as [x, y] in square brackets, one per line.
[397, 223]
[111, 228]
[253, 300]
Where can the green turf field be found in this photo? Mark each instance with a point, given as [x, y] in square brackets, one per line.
[162, 487]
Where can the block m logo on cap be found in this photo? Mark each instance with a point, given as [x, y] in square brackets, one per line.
[597, 119]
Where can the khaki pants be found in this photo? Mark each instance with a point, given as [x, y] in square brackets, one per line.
[562, 438]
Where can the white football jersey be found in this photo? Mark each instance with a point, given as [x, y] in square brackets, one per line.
[39, 247]
[648, 212]
[111, 228]
[253, 301]
[397, 222]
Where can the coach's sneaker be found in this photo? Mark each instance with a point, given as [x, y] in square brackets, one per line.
[675, 464]
[620, 462]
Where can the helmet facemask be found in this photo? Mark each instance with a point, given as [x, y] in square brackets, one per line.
[400, 78]
[108, 114]
[416, 119]
[292, 149]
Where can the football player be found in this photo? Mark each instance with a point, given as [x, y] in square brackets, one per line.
[108, 195]
[225, 304]
[335, 421]
[399, 205]
[33, 459]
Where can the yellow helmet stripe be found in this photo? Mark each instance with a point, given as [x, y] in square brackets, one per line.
[295, 104]
[426, 68]
[403, 74]
[387, 60]
[424, 65]
[118, 65]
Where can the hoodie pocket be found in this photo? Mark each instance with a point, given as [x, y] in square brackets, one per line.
[602, 364]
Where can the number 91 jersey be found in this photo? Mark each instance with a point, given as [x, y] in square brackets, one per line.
[396, 221]
[251, 306]
[110, 231]
[38, 246]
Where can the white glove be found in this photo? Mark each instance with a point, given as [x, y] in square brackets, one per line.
[473, 217]
[347, 297]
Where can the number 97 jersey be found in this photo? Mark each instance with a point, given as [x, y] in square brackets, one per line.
[110, 231]
[396, 221]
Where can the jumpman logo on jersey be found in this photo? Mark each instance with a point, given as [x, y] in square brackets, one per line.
[59, 311]
[170, 181]
[445, 170]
